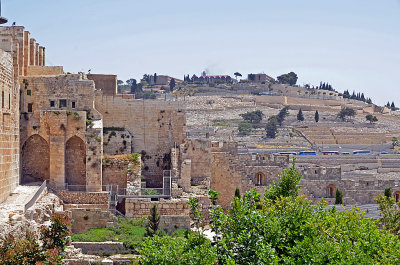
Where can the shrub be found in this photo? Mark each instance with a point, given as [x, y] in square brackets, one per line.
[245, 128]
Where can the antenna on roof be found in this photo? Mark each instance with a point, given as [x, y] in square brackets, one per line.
[3, 20]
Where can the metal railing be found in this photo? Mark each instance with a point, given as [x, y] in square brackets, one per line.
[36, 196]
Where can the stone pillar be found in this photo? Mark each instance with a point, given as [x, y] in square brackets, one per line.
[27, 52]
[186, 175]
[40, 56]
[32, 51]
[37, 53]
[57, 159]
[44, 56]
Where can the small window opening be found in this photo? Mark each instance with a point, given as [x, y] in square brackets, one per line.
[73, 104]
[2, 99]
[52, 103]
[29, 92]
[30, 105]
[63, 103]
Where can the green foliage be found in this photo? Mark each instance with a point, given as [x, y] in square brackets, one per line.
[287, 186]
[56, 112]
[107, 129]
[395, 141]
[316, 116]
[89, 123]
[213, 196]
[24, 247]
[390, 213]
[222, 124]
[339, 197]
[68, 112]
[346, 112]
[388, 193]
[245, 128]
[149, 192]
[133, 158]
[153, 220]
[172, 84]
[129, 231]
[283, 113]
[300, 116]
[371, 118]
[196, 214]
[190, 250]
[237, 193]
[253, 116]
[76, 116]
[272, 127]
[290, 78]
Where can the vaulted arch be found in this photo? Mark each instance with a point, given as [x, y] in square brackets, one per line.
[75, 162]
[35, 159]
[260, 179]
[331, 191]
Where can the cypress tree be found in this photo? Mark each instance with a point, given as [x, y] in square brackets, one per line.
[339, 197]
[300, 116]
[153, 221]
[237, 193]
[316, 116]
[388, 193]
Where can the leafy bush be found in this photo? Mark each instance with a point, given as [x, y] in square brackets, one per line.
[245, 128]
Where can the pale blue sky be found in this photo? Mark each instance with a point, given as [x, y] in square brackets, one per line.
[352, 44]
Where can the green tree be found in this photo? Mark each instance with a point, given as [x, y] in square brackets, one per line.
[213, 196]
[346, 112]
[237, 193]
[272, 127]
[245, 128]
[390, 214]
[316, 116]
[288, 185]
[283, 113]
[172, 85]
[153, 221]
[339, 197]
[371, 118]
[253, 116]
[388, 193]
[290, 78]
[120, 82]
[395, 141]
[300, 116]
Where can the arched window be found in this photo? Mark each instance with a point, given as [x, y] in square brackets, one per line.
[397, 196]
[260, 179]
[331, 191]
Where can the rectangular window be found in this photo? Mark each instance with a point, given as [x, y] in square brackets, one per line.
[63, 103]
[52, 103]
[2, 99]
[29, 107]
[29, 92]
[73, 104]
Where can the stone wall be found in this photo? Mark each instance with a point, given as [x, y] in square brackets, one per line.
[106, 83]
[44, 70]
[71, 197]
[101, 248]
[9, 129]
[55, 110]
[155, 125]
[171, 223]
[117, 141]
[84, 219]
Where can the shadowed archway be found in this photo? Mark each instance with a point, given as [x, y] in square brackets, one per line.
[35, 160]
[75, 163]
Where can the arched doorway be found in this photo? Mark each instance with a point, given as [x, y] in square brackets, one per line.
[35, 161]
[75, 164]
[260, 179]
[331, 191]
[397, 196]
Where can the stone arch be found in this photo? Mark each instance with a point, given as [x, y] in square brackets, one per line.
[260, 179]
[397, 196]
[35, 159]
[331, 191]
[75, 163]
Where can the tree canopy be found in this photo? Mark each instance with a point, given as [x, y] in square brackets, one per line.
[346, 112]
[290, 78]
[253, 116]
